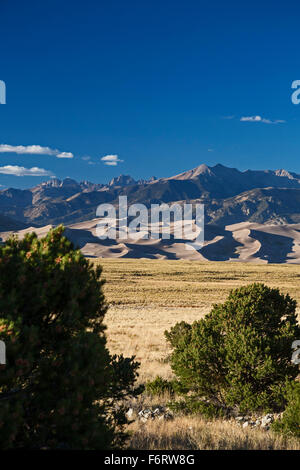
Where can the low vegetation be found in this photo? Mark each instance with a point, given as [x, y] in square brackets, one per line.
[60, 386]
[239, 355]
[221, 352]
[189, 285]
[160, 387]
[155, 295]
[197, 433]
[290, 422]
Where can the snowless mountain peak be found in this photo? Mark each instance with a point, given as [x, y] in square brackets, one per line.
[285, 173]
[122, 180]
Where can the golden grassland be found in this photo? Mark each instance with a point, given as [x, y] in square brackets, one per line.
[165, 283]
[195, 433]
[145, 298]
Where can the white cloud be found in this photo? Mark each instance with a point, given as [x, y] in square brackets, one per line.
[86, 158]
[65, 155]
[251, 118]
[33, 150]
[111, 160]
[21, 171]
[261, 119]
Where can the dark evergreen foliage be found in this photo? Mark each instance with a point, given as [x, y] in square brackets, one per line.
[239, 355]
[60, 387]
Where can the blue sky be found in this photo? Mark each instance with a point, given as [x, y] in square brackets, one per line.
[162, 85]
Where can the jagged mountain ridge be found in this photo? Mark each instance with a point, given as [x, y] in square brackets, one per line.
[230, 196]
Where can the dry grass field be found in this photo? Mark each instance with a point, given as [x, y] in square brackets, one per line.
[146, 297]
[168, 283]
[195, 433]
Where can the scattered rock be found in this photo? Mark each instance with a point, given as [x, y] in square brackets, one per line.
[240, 418]
[266, 420]
[254, 422]
[129, 413]
[162, 413]
[159, 413]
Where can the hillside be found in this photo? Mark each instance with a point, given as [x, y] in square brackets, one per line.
[251, 216]
[230, 196]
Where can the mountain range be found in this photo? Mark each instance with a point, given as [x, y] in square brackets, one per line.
[251, 216]
[230, 196]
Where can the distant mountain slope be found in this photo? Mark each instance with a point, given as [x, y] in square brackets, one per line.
[220, 181]
[230, 196]
[266, 205]
[7, 224]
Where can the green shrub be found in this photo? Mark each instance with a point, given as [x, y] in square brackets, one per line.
[290, 422]
[160, 386]
[189, 406]
[60, 388]
[239, 355]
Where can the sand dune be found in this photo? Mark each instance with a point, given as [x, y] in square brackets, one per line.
[247, 242]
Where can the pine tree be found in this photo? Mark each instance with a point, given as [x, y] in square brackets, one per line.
[239, 355]
[60, 387]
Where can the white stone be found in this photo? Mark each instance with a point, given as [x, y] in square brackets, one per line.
[239, 418]
[266, 420]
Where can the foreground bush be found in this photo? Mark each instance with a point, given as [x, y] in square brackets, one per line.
[60, 387]
[239, 355]
[290, 422]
